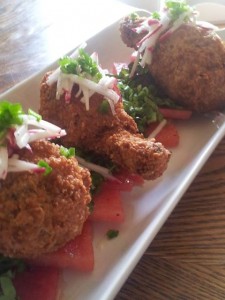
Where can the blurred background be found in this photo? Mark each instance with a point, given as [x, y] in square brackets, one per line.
[210, 10]
[34, 33]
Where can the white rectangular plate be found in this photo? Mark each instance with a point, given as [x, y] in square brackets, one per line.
[146, 208]
[212, 11]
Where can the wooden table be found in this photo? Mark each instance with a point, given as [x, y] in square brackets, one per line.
[186, 260]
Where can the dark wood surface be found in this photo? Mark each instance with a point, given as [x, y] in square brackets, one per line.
[186, 260]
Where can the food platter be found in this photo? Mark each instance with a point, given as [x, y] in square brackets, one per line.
[146, 208]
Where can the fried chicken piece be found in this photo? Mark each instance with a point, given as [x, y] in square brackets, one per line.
[39, 214]
[114, 136]
[188, 66]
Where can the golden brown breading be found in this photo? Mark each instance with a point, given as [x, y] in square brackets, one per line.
[188, 66]
[41, 213]
[145, 157]
[115, 136]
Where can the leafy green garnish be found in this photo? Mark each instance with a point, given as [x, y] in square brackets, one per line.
[141, 98]
[45, 165]
[176, 8]
[8, 291]
[96, 181]
[83, 66]
[155, 15]
[68, 65]
[8, 268]
[112, 233]
[7, 264]
[137, 98]
[139, 105]
[104, 107]
[67, 152]
[134, 16]
[34, 114]
[10, 114]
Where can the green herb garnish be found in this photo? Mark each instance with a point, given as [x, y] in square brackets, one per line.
[155, 15]
[68, 65]
[177, 8]
[67, 152]
[112, 233]
[91, 206]
[8, 268]
[83, 66]
[141, 98]
[138, 97]
[139, 104]
[8, 291]
[104, 107]
[34, 114]
[134, 16]
[45, 165]
[10, 114]
[7, 264]
[96, 181]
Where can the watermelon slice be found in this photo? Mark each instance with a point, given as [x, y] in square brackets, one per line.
[107, 205]
[168, 135]
[37, 283]
[77, 254]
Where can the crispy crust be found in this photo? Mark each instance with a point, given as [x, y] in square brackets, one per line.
[190, 67]
[115, 136]
[41, 213]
